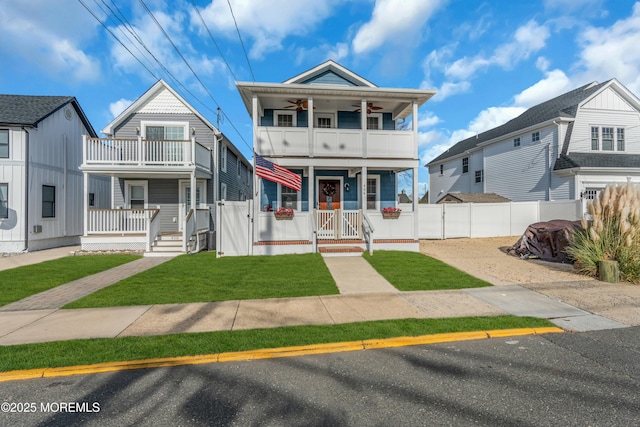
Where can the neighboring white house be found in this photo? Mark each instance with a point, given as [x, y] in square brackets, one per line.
[40, 183]
[566, 148]
[340, 133]
[157, 152]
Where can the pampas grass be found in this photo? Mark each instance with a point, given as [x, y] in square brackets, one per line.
[612, 232]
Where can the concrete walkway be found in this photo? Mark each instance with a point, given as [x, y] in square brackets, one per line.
[364, 295]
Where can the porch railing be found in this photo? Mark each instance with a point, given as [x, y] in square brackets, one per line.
[195, 221]
[154, 228]
[368, 230]
[119, 221]
[143, 152]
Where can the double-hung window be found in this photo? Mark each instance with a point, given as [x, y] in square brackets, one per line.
[289, 198]
[516, 142]
[4, 200]
[607, 139]
[595, 138]
[620, 135]
[4, 143]
[479, 176]
[465, 165]
[48, 201]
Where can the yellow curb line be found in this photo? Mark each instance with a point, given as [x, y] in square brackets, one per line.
[270, 353]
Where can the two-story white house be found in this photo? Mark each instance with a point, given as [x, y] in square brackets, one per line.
[567, 148]
[345, 138]
[168, 166]
[40, 184]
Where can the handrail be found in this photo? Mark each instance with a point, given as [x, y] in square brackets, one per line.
[153, 227]
[188, 229]
[368, 231]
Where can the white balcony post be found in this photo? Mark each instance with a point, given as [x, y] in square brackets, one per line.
[414, 128]
[310, 125]
[363, 126]
[192, 157]
[86, 201]
[416, 220]
[140, 151]
[363, 196]
[84, 149]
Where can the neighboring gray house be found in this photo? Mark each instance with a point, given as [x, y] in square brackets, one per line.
[472, 198]
[40, 184]
[566, 148]
[157, 152]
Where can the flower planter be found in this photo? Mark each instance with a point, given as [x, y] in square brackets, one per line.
[390, 215]
[285, 217]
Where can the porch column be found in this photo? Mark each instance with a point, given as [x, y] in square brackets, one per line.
[310, 125]
[257, 190]
[85, 203]
[416, 219]
[363, 126]
[363, 196]
[193, 192]
[311, 186]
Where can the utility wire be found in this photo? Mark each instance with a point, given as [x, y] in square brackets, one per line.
[241, 42]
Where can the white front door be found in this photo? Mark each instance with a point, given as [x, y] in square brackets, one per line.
[185, 198]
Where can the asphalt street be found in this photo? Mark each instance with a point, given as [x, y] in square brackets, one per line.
[571, 379]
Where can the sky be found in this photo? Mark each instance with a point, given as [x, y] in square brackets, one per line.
[488, 60]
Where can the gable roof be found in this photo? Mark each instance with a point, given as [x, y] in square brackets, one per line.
[29, 110]
[145, 98]
[330, 66]
[596, 160]
[472, 198]
[563, 106]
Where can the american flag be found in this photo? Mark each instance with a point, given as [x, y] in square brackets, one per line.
[272, 172]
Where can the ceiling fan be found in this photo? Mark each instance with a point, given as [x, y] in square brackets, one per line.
[370, 107]
[299, 104]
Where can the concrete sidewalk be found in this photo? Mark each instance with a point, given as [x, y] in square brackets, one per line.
[364, 296]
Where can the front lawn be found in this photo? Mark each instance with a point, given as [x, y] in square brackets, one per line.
[413, 271]
[202, 278]
[82, 352]
[21, 282]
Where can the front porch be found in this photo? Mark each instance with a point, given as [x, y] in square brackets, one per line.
[140, 230]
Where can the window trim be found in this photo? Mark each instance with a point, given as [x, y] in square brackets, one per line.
[298, 196]
[516, 142]
[184, 125]
[294, 117]
[465, 167]
[598, 142]
[620, 147]
[318, 116]
[479, 176]
[6, 202]
[364, 204]
[223, 158]
[42, 201]
[127, 195]
[379, 116]
[535, 136]
[8, 144]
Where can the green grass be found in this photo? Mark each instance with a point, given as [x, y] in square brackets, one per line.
[203, 277]
[412, 271]
[82, 352]
[21, 282]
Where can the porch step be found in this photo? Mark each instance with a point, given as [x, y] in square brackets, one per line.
[334, 250]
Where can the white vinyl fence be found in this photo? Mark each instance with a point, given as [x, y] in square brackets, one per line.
[451, 220]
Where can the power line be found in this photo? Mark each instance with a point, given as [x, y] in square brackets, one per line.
[241, 42]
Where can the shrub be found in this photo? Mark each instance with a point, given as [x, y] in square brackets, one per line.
[612, 232]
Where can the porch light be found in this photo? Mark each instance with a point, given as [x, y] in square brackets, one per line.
[346, 186]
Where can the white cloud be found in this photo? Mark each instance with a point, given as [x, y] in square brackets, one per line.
[555, 83]
[267, 23]
[528, 39]
[612, 52]
[336, 52]
[49, 35]
[428, 120]
[115, 108]
[447, 89]
[392, 19]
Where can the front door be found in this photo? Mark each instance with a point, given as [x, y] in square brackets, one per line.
[329, 194]
[185, 197]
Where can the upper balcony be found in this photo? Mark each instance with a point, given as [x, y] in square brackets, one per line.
[332, 142]
[112, 155]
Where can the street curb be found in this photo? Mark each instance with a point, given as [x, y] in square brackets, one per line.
[270, 353]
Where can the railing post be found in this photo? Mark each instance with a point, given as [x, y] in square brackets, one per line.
[140, 151]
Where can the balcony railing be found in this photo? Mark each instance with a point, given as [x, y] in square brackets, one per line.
[395, 144]
[140, 152]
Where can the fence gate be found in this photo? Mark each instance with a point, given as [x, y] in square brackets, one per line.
[233, 234]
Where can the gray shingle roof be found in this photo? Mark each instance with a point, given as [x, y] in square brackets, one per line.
[29, 110]
[474, 198]
[597, 160]
[565, 105]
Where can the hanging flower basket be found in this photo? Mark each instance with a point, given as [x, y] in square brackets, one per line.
[391, 213]
[283, 214]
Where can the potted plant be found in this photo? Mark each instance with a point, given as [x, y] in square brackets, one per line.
[283, 213]
[391, 213]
